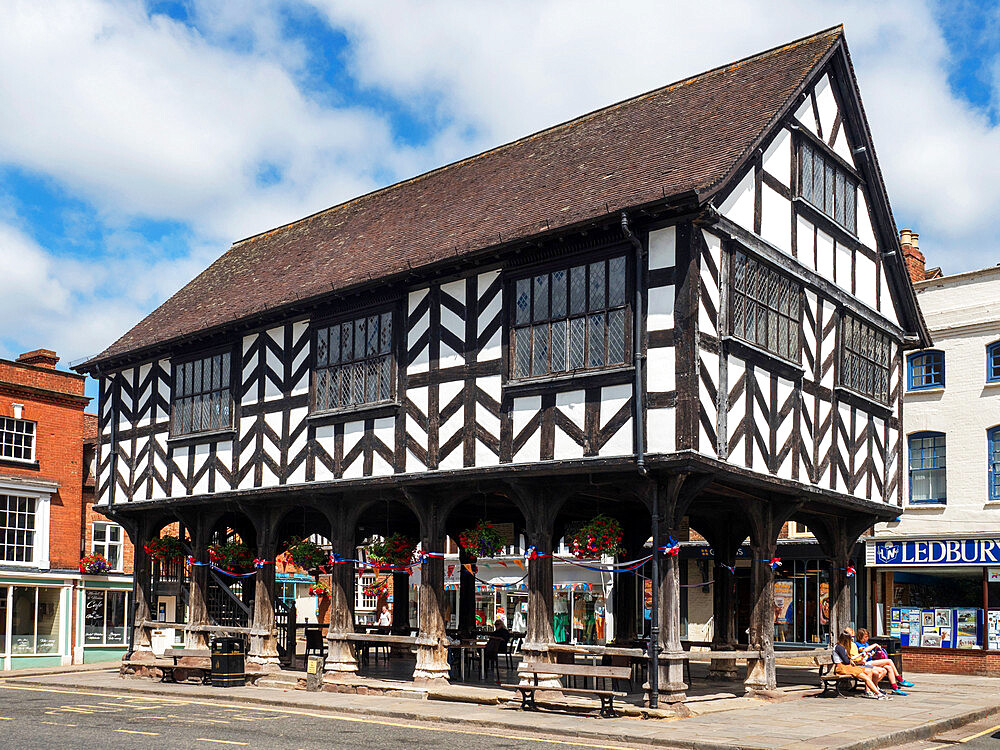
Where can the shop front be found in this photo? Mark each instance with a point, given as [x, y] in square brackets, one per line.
[941, 598]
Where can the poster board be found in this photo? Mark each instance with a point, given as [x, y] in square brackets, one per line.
[993, 629]
[967, 628]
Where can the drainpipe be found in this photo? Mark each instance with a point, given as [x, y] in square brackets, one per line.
[639, 401]
[640, 462]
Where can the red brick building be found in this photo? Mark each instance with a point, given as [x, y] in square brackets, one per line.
[50, 612]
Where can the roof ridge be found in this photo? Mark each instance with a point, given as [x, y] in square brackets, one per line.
[719, 69]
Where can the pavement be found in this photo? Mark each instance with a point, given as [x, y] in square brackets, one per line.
[938, 704]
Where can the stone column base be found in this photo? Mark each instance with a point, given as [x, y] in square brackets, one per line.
[340, 657]
[432, 662]
[264, 663]
[724, 670]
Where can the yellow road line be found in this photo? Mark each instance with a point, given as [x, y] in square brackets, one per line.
[980, 734]
[332, 716]
[222, 742]
[6, 718]
[57, 724]
[135, 731]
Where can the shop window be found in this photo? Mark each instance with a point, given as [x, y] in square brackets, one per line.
[765, 308]
[35, 620]
[802, 601]
[993, 460]
[927, 468]
[17, 439]
[828, 186]
[993, 362]
[104, 618]
[925, 370]
[4, 591]
[201, 396]
[865, 359]
[361, 601]
[107, 540]
[570, 319]
[17, 528]
[354, 363]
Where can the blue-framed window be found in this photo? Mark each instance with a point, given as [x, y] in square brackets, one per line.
[927, 468]
[925, 370]
[993, 463]
[993, 362]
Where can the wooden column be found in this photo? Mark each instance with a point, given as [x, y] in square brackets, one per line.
[263, 640]
[142, 569]
[541, 623]
[466, 595]
[198, 585]
[432, 650]
[837, 537]
[340, 655]
[766, 518]
[671, 671]
[725, 535]
[401, 603]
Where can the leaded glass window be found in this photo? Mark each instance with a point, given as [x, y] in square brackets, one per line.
[866, 357]
[766, 307]
[202, 400]
[570, 319]
[827, 186]
[354, 363]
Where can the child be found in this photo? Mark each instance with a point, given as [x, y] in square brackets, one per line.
[867, 649]
[842, 665]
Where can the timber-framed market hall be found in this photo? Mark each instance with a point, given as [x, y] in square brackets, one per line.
[685, 312]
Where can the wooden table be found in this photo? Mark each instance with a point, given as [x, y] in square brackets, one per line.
[470, 646]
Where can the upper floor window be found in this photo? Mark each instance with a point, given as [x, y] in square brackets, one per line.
[927, 468]
[107, 540]
[993, 362]
[993, 461]
[17, 439]
[828, 186]
[865, 360]
[765, 308]
[201, 395]
[17, 528]
[354, 363]
[570, 319]
[926, 370]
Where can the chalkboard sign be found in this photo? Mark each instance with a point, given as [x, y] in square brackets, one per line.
[93, 618]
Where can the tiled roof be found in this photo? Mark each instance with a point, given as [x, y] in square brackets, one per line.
[89, 428]
[684, 137]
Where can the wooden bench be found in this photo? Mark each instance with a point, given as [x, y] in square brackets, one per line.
[570, 670]
[838, 684]
[182, 672]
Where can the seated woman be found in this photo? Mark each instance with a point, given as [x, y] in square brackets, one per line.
[867, 650]
[842, 665]
[495, 645]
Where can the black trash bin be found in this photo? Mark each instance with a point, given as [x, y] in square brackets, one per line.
[893, 647]
[228, 662]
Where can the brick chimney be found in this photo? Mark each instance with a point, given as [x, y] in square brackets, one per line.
[915, 261]
[40, 358]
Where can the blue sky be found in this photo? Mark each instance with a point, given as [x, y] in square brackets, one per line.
[138, 140]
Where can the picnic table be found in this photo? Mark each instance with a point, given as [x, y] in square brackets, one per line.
[531, 670]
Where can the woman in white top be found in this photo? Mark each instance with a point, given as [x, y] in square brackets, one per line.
[384, 618]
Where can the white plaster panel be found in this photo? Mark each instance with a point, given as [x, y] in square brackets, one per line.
[804, 114]
[487, 421]
[886, 306]
[573, 405]
[661, 308]
[843, 271]
[224, 451]
[564, 447]
[784, 430]
[660, 369]
[661, 425]
[778, 158]
[826, 105]
[619, 444]
[201, 455]
[663, 248]
[842, 148]
[738, 205]
[614, 398]
[866, 276]
[776, 219]
[490, 385]
[865, 232]
[736, 369]
[805, 242]
[353, 432]
[419, 398]
[523, 410]
[276, 366]
[531, 450]
[448, 390]
[414, 298]
[824, 254]
[484, 456]
[145, 392]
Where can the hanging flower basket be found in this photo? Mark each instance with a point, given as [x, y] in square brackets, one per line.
[601, 535]
[231, 555]
[319, 589]
[481, 541]
[394, 551]
[94, 565]
[377, 588]
[166, 549]
[306, 554]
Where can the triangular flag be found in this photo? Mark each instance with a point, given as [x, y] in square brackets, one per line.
[468, 567]
[502, 563]
[451, 569]
[519, 564]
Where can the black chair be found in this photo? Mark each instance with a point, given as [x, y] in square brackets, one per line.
[315, 642]
[513, 646]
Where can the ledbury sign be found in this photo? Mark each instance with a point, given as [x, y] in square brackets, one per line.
[937, 552]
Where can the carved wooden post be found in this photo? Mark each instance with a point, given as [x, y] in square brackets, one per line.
[725, 535]
[837, 537]
[766, 518]
[671, 671]
[466, 595]
[432, 652]
[340, 655]
[264, 641]
[198, 583]
[142, 643]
